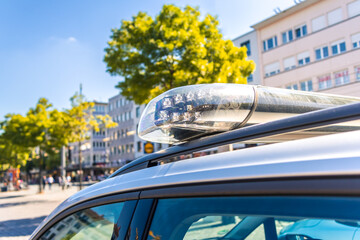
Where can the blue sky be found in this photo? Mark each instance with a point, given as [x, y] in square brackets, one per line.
[48, 47]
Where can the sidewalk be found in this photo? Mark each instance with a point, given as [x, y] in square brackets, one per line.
[22, 211]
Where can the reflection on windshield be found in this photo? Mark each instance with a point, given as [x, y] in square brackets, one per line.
[93, 223]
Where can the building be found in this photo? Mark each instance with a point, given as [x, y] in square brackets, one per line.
[249, 40]
[312, 46]
[122, 137]
[124, 143]
[94, 153]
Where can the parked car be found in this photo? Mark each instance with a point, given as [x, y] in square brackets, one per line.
[300, 179]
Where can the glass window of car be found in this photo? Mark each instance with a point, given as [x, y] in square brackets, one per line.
[92, 223]
[280, 218]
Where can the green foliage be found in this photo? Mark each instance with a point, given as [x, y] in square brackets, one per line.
[176, 48]
[82, 119]
[11, 154]
[43, 127]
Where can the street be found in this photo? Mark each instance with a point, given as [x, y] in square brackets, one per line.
[22, 211]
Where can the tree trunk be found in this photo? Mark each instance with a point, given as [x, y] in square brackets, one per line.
[41, 190]
[80, 167]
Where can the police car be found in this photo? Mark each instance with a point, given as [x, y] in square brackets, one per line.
[293, 172]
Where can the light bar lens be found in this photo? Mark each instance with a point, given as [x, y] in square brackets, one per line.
[192, 111]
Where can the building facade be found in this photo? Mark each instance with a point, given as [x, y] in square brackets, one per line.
[249, 40]
[312, 46]
[121, 138]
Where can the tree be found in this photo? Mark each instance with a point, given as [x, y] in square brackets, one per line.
[83, 121]
[172, 50]
[43, 128]
[12, 155]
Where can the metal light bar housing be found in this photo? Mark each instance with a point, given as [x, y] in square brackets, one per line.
[189, 112]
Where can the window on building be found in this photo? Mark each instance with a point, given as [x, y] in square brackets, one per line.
[270, 43]
[159, 146]
[335, 16]
[123, 148]
[272, 69]
[292, 86]
[93, 144]
[338, 47]
[289, 63]
[353, 8]
[357, 73]
[287, 36]
[114, 150]
[324, 82]
[341, 77]
[139, 145]
[131, 148]
[306, 85]
[318, 23]
[250, 78]
[127, 148]
[137, 112]
[322, 52]
[301, 31]
[303, 58]
[247, 45]
[355, 39]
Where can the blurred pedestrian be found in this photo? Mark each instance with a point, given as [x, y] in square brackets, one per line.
[61, 182]
[68, 181]
[50, 181]
[44, 182]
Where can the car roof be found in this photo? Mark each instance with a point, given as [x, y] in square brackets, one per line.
[331, 155]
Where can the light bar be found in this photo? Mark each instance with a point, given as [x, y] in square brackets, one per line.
[189, 112]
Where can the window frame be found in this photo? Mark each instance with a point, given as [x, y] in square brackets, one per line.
[338, 47]
[302, 30]
[355, 40]
[266, 43]
[322, 52]
[341, 77]
[301, 61]
[248, 49]
[357, 73]
[328, 83]
[287, 36]
[123, 197]
[308, 85]
[293, 86]
[296, 187]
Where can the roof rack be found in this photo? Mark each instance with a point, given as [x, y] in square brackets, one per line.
[304, 121]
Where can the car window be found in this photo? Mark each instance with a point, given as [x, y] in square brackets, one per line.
[255, 218]
[92, 223]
